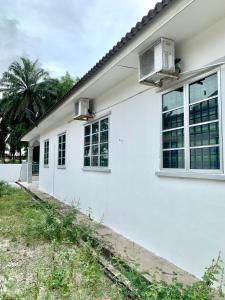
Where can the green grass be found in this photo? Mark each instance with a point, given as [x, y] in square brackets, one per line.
[16, 211]
[60, 269]
[42, 257]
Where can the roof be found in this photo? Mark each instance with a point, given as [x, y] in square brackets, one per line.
[133, 33]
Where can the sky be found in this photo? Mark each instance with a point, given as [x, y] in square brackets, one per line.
[65, 35]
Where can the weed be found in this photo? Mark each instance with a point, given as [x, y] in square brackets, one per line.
[5, 189]
[159, 290]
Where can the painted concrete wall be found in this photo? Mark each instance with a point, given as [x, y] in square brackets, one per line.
[179, 219]
[10, 172]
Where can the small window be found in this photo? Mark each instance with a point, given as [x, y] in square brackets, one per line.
[46, 152]
[173, 129]
[96, 152]
[190, 126]
[62, 149]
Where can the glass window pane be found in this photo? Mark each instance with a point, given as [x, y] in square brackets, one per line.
[207, 134]
[205, 158]
[87, 130]
[173, 99]
[63, 161]
[95, 127]
[95, 138]
[173, 139]
[64, 138]
[94, 161]
[104, 148]
[87, 151]
[87, 161]
[214, 133]
[104, 137]
[204, 111]
[173, 119]
[104, 124]
[204, 88]
[87, 140]
[173, 159]
[215, 158]
[104, 160]
[95, 150]
[213, 109]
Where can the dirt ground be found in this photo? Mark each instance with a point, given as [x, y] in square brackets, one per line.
[18, 263]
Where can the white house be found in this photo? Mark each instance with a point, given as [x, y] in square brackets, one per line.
[151, 160]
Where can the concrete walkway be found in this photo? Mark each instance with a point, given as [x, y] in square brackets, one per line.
[145, 261]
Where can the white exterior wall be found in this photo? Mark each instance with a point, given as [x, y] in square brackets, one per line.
[179, 219]
[10, 172]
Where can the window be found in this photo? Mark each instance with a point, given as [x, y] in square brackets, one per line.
[190, 126]
[46, 152]
[96, 144]
[62, 149]
[173, 129]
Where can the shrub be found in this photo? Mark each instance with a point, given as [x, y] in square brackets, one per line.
[5, 189]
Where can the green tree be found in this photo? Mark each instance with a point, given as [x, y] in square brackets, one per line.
[65, 83]
[61, 86]
[28, 92]
[26, 86]
[4, 131]
[14, 141]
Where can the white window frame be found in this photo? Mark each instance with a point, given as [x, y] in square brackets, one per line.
[46, 141]
[90, 123]
[186, 127]
[61, 166]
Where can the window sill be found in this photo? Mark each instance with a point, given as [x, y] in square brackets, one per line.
[96, 169]
[61, 167]
[191, 175]
[46, 166]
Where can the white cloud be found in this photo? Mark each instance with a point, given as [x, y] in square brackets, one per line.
[65, 35]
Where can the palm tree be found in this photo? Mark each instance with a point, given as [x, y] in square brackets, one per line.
[26, 87]
[4, 131]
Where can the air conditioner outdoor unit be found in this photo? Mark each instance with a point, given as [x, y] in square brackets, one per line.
[83, 109]
[157, 62]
